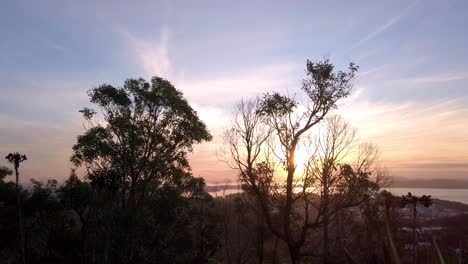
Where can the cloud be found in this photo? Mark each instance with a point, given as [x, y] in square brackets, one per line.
[438, 78]
[214, 98]
[391, 22]
[153, 55]
[417, 139]
[434, 165]
[231, 87]
[411, 132]
[388, 70]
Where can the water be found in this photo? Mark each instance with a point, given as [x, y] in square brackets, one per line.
[454, 195]
[220, 193]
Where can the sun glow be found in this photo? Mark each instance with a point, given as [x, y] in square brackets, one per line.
[301, 158]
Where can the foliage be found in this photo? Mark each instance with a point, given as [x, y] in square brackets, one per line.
[143, 140]
[4, 171]
[138, 202]
[16, 158]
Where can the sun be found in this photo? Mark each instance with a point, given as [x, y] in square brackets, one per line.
[301, 157]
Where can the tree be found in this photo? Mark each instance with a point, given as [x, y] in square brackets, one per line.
[373, 225]
[134, 152]
[16, 159]
[8, 218]
[339, 184]
[42, 213]
[288, 124]
[143, 143]
[246, 150]
[76, 195]
[4, 171]
[414, 201]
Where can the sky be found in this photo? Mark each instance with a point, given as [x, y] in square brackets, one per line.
[410, 97]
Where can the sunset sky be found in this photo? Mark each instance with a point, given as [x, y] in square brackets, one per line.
[410, 98]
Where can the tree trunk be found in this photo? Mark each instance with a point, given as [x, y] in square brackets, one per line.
[415, 250]
[132, 194]
[325, 241]
[275, 252]
[260, 238]
[294, 255]
[326, 247]
[83, 240]
[20, 218]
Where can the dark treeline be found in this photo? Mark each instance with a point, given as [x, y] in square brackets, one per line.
[307, 196]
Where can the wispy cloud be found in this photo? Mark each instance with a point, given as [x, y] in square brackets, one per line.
[435, 165]
[430, 132]
[231, 87]
[391, 22]
[153, 54]
[214, 98]
[438, 78]
[387, 70]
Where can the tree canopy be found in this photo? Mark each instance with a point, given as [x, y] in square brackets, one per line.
[140, 138]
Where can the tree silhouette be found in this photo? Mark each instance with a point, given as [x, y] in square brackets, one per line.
[76, 195]
[135, 155]
[278, 118]
[340, 185]
[4, 171]
[414, 201]
[149, 129]
[16, 159]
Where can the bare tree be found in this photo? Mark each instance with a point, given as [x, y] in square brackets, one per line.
[334, 146]
[339, 184]
[277, 118]
[246, 150]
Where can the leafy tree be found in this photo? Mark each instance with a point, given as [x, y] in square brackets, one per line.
[42, 214]
[76, 195]
[143, 142]
[4, 171]
[205, 229]
[134, 151]
[8, 217]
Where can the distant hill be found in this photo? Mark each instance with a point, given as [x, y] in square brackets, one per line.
[398, 182]
[430, 183]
